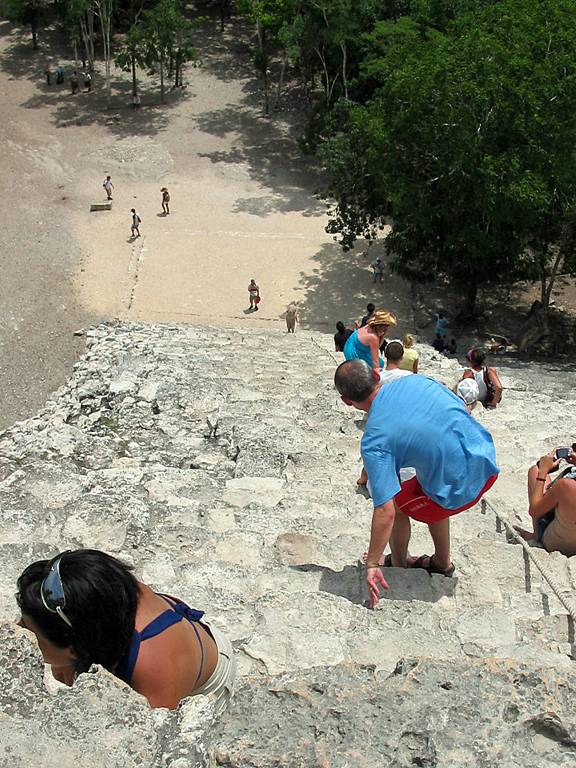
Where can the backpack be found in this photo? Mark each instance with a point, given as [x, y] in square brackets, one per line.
[491, 390]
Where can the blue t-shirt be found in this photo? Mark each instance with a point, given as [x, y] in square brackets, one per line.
[418, 422]
[441, 323]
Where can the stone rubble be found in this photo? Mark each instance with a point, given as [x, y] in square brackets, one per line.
[222, 464]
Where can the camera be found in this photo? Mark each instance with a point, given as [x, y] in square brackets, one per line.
[562, 453]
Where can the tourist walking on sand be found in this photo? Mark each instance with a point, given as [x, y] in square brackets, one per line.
[136, 221]
[377, 269]
[88, 81]
[47, 73]
[254, 294]
[108, 186]
[292, 316]
[165, 200]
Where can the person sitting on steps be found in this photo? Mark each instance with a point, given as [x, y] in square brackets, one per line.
[553, 503]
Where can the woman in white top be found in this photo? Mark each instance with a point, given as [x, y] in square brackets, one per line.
[489, 386]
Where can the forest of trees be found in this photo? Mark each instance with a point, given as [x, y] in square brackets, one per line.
[452, 120]
[152, 35]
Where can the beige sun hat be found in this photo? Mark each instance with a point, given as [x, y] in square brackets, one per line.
[382, 317]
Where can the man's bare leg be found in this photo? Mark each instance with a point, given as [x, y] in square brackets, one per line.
[440, 533]
[399, 539]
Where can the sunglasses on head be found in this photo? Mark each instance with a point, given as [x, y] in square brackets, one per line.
[52, 590]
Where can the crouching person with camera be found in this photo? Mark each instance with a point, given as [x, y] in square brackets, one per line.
[553, 502]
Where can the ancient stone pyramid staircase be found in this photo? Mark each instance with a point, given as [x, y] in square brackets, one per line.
[223, 465]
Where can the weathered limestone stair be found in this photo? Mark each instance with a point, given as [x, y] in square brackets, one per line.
[223, 464]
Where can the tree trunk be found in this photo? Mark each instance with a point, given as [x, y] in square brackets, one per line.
[262, 63]
[87, 42]
[162, 80]
[134, 83]
[566, 239]
[468, 309]
[34, 37]
[344, 74]
[281, 80]
[91, 57]
[552, 278]
[105, 13]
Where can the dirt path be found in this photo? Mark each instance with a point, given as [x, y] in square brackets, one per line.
[242, 206]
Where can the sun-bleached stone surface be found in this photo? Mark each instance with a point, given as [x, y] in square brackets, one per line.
[222, 464]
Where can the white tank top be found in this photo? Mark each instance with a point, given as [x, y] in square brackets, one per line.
[479, 379]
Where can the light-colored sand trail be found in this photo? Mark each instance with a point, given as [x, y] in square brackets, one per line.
[242, 206]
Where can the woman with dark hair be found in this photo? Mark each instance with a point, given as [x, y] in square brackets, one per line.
[489, 385]
[341, 336]
[86, 607]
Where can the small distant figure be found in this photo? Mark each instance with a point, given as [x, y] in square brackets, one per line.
[165, 200]
[450, 349]
[438, 343]
[74, 82]
[292, 316]
[88, 81]
[254, 293]
[136, 101]
[136, 221]
[370, 309]
[441, 323]
[410, 360]
[48, 74]
[59, 75]
[108, 186]
[377, 269]
[341, 336]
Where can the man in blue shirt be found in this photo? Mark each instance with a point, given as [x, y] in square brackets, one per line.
[415, 422]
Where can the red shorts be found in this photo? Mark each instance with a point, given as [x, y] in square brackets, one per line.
[413, 502]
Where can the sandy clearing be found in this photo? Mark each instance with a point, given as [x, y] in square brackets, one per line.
[242, 206]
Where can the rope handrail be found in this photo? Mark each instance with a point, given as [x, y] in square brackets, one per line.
[567, 604]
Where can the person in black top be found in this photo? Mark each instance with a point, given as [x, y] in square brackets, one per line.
[342, 336]
[439, 343]
[371, 309]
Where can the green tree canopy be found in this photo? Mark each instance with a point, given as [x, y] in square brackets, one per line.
[27, 13]
[467, 141]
